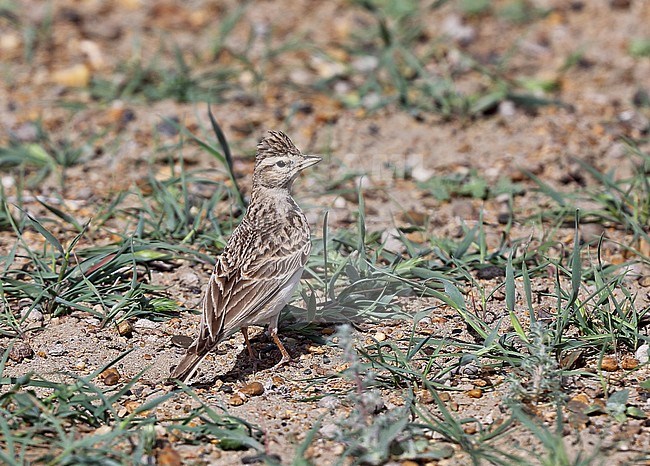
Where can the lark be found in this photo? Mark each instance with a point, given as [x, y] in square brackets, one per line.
[261, 265]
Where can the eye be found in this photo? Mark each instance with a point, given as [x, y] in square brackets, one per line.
[281, 163]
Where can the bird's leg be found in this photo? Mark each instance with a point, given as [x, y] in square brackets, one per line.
[286, 357]
[251, 353]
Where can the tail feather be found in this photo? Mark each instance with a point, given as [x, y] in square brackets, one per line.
[187, 367]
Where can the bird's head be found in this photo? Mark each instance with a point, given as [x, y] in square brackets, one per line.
[278, 161]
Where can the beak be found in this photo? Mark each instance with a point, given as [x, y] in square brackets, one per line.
[308, 161]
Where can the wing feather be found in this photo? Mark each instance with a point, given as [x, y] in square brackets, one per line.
[246, 278]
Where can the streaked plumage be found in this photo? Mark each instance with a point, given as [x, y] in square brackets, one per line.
[262, 263]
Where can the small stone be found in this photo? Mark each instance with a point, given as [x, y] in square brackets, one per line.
[314, 349]
[609, 364]
[641, 98]
[507, 109]
[453, 27]
[504, 217]
[474, 393]
[34, 314]
[252, 389]
[391, 240]
[124, 328]
[27, 132]
[644, 281]
[463, 209]
[414, 217]
[182, 341]
[57, 350]
[470, 429]
[189, 279]
[417, 237]
[9, 42]
[426, 397]
[74, 76]
[235, 400]
[380, 336]
[145, 324]
[581, 398]
[131, 406]
[591, 232]
[628, 363]
[641, 353]
[490, 272]
[102, 430]
[644, 247]
[365, 63]
[620, 4]
[169, 126]
[21, 351]
[167, 456]
[330, 431]
[328, 331]
[93, 53]
[110, 376]
[329, 402]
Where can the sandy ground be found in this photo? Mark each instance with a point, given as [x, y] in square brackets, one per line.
[395, 152]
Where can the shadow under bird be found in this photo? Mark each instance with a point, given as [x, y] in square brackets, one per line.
[262, 262]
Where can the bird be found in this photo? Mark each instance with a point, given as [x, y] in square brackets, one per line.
[262, 262]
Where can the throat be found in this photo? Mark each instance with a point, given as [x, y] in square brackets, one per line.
[261, 193]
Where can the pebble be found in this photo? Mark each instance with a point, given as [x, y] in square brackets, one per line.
[380, 336]
[168, 456]
[391, 241]
[330, 431]
[110, 376]
[628, 363]
[21, 351]
[609, 364]
[74, 76]
[426, 397]
[27, 132]
[504, 217]
[168, 126]
[9, 42]
[56, 350]
[131, 405]
[453, 27]
[642, 353]
[125, 328]
[182, 341]
[93, 53]
[235, 400]
[620, 4]
[414, 217]
[507, 109]
[591, 232]
[365, 63]
[252, 389]
[474, 393]
[189, 279]
[34, 315]
[145, 324]
[463, 208]
[329, 402]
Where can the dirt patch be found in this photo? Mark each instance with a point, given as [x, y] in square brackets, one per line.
[100, 101]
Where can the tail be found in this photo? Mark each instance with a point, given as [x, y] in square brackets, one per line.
[188, 365]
